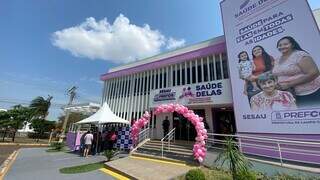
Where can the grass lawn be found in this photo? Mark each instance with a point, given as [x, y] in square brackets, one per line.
[82, 168]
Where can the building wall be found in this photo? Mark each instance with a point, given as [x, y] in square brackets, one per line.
[128, 96]
[316, 14]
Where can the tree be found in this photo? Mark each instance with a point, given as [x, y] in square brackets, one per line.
[14, 119]
[41, 106]
[73, 118]
[236, 161]
[40, 126]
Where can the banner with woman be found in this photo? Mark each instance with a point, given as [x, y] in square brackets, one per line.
[274, 60]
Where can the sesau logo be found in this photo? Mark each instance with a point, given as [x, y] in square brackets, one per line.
[244, 4]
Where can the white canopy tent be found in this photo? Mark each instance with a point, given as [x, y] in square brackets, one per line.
[102, 116]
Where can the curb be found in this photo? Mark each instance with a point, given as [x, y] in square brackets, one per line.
[23, 144]
[119, 172]
[6, 165]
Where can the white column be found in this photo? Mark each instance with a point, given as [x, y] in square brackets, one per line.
[142, 94]
[147, 92]
[221, 66]
[115, 93]
[202, 70]
[208, 69]
[185, 73]
[158, 72]
[176, 74]
[191, 71]
[196, 67]
[139, 94]
[125, 99]
[214, 67]
[167, 76]
[171, 75]
[162, 71]
[118, 103]
[154, 78]
[133, 83]
[135, 106]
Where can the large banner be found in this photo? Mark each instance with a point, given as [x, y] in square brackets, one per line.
[209, 93]
[274, 56]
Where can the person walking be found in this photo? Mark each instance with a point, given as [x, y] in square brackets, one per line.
[87, 142]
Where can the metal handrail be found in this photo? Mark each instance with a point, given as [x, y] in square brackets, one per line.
[281, 146]
[171, 135]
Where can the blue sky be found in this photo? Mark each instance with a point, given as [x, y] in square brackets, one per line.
[44, 49]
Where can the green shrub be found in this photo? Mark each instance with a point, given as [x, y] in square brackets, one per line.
[195, 174]
[247, 175]
[58, 146]
[109, 154]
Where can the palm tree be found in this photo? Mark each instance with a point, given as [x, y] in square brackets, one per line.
[41, 106]
[236, 161]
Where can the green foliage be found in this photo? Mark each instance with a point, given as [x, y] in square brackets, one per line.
[73, 118]
[40, 126]
[283, 176]
[40, 107]
[247, 175]
[109, 154]
[14, 119]
[195, 174]
[58, 146]
[236, 161]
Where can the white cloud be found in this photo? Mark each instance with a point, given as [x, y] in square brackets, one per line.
[120, 42]
[173, 43]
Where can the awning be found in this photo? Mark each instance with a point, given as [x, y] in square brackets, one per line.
[103, 116]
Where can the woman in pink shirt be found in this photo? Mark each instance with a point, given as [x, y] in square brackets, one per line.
[297, 70]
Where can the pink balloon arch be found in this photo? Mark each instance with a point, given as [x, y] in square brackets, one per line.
[199, 148]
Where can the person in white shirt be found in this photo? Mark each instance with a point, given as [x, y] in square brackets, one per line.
[87, 142]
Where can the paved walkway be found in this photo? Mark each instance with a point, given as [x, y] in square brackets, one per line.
[149, 169]
[35, 163]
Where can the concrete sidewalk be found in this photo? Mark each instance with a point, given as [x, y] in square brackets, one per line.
[148, 169]
[35, 163]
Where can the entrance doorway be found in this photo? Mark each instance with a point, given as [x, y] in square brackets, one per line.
[224, 121]
[184, 128]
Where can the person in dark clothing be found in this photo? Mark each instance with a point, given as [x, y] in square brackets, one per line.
[165, 126]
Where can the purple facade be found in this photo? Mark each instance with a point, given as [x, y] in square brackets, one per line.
[73, 140]
[294, 152]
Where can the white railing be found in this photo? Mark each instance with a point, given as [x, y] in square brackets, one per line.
[284, 149]
[143, 137]
[168, 137]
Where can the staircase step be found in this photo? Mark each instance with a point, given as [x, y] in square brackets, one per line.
[174, 144]
[189, 161]
[174, 148]
[181, 157]
[166, 150]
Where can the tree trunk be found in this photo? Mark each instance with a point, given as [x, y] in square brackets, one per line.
[4, 134]
[14, 135]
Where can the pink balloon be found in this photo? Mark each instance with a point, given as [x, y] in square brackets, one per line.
[200, 159]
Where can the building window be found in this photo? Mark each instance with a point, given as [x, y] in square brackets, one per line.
[193, 73]
[225, 66]
[205, 70]
[183, 77]
[199, 70]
